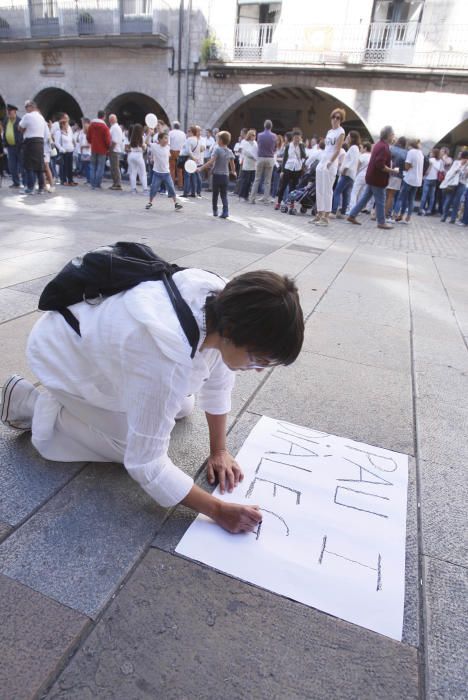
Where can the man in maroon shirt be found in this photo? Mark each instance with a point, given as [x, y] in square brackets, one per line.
[378, 170]
[99, 138]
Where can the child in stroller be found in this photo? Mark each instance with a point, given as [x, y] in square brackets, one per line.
[303, 195]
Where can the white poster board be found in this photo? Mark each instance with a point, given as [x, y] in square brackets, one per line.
[333, 530]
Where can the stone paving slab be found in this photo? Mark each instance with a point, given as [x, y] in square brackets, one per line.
[352, 339]
[453, 277]
[83, 542]
[31, 265]
[362, 402]
[220, 261]
[26, 479]
[440, 427]
[36, 635]
[33, 286]
[444, 496]
[14, 303]
[13, 337]
[441, 382]
[4, 531]
[446, 613]
[178, 630]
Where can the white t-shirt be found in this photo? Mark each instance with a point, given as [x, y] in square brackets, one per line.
[351, 162]
[331, 140]
[176, 139]
[117, 137]
[65, 140]
[414, 175]
[294, 161]
[34, 125]
[160, 157]
[195, 149]
[85, 148]
[435, 167]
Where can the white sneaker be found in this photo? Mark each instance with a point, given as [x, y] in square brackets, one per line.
[18, 400]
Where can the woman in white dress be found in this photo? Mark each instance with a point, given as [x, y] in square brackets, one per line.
[327, 168]
[113, 393]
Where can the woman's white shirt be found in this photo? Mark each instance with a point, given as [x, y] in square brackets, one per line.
[331, 140]
[65, 140]
[133, 358]
[249, 155]
[195, 149]
[435, 167]
[351, 162]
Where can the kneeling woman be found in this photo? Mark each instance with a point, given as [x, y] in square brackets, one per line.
[113, 394]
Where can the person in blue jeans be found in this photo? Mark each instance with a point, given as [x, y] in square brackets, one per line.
[223, 163]
[161, 172]
[454, 186]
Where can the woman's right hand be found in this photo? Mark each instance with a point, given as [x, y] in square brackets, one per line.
[236, 518]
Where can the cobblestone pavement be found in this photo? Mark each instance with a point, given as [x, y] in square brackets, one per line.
[94, 603]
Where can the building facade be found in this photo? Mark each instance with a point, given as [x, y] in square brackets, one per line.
[236, 62]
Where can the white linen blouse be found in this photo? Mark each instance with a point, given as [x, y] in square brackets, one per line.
[133, 358]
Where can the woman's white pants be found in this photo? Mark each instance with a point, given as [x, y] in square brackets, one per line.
[136, 166]
[324, 181]
[65, 428]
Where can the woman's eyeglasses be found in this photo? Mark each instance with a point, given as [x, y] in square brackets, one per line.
[336, 116]
[260, 362]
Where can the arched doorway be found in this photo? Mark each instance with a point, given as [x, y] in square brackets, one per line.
[131, 108]
[52, 101]
[288, 107]
[456, 138]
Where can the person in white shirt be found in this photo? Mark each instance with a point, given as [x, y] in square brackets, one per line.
[136, 163]
[49, 185]
[249, 164]
[33, 127]
[114, 393]
[412, 179]
[65, 141]
[177, 139]
[348, 174]
[360, 181]
[434, 173]
[85, 150]
[115, 152]
[192, 148]
[294, 159]
[160, 153]
[327, 167]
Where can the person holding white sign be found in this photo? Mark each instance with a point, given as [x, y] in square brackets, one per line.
[113, 393]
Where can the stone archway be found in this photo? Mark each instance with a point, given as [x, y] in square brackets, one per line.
[51, 101]
[456, 137]
[289, 106]
[131, 108]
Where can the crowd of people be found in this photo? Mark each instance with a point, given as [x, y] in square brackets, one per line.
[336, 175]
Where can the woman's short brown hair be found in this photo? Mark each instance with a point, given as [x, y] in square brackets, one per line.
[354, 138]
[251, 132]
[224, 137]
[195, 130]
[259, 311]
[340, 111]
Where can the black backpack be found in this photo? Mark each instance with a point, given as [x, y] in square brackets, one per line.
[112, 269]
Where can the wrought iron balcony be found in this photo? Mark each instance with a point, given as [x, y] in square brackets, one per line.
[379, 43]
[49, 19]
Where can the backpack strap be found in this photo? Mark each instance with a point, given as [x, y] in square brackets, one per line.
[70, 319]
[184, 313]
[182, 309]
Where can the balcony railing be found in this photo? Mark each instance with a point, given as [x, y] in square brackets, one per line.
[378, 43]
[32, 19]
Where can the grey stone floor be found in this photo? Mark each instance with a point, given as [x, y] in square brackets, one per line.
[94, 603]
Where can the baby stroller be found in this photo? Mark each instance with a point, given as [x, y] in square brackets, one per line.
[304, 195]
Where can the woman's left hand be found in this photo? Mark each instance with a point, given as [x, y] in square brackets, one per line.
[222, 465]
